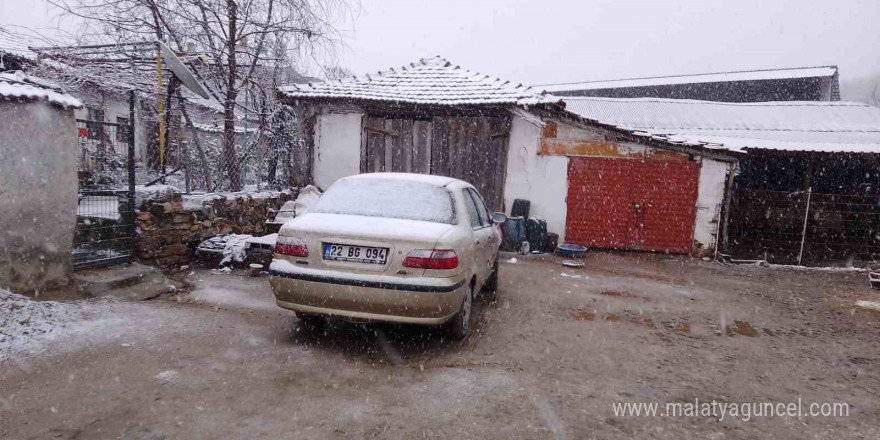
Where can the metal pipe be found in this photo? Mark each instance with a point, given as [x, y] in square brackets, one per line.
[131, 154]
[91, 46]
[160, 104]
[728, 195]
[804, 231]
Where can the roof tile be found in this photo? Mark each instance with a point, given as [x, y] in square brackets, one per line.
[428, 81]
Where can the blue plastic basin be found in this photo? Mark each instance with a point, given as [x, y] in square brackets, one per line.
[568, 250]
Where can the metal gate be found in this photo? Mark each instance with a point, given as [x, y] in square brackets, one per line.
[105, 218]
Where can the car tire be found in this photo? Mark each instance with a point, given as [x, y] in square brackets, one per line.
[491, 284]
[460, 325]
[313, 321]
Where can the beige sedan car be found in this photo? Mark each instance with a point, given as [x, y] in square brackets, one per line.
[389, 247]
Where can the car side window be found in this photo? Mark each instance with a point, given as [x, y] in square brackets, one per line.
[485, 217]
[471, 208]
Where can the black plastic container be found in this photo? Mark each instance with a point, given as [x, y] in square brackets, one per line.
[552, 242]
[536, 233]
[521, 208]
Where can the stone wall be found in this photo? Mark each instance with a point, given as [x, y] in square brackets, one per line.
[171, 225]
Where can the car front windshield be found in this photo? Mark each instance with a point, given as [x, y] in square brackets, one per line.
[388, 199]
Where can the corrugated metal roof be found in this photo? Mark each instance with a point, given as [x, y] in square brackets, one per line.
[428, 81]
[793, 126]
[745, 75]
[15, 45]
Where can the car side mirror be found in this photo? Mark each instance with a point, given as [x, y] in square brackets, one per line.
[498, 218]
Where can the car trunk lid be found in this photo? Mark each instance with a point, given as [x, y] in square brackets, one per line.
[397, 236]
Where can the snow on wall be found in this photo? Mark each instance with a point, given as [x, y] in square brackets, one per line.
[713, 175]
[543, 180]
[337, 147]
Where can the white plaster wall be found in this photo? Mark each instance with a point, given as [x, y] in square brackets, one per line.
[38, 200]
[337, 147]
[543, 180]
[713, 175]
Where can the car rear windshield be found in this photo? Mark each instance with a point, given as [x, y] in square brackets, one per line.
[389, 199]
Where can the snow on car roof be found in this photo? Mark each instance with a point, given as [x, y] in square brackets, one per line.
[819, 126]
[427, 81]
[409, 177]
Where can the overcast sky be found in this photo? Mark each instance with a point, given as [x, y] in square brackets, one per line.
[550, 41]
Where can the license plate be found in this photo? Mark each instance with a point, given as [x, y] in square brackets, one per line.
[356, 254]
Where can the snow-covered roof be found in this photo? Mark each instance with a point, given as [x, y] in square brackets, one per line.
[215, 128]
[792, 126]
[745, 75]
[433, 81]
[17, 85]
[15, 45]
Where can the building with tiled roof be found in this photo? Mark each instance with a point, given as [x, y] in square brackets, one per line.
[429, 81]
[511, 141]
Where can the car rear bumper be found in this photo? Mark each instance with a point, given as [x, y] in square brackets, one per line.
[426, 301]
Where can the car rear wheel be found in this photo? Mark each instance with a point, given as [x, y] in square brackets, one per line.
[491, 284]
[460, 325]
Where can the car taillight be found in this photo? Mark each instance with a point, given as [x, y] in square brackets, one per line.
[291, 246]
[441, 259]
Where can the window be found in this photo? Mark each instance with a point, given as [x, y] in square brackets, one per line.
[122, 131]
[485, 217]
[96, 131]
[388, 199]
[472, 212]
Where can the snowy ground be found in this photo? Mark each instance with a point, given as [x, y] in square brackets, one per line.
[550, 357]
[25, 325]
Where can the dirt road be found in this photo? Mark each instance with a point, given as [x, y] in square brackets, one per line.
[552, 355]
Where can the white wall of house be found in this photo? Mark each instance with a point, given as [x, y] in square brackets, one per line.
[337, 147]
[713, 175]
[543, 180]
[540, 178]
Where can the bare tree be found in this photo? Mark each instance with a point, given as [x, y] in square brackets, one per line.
[337, 72]
[241, 39]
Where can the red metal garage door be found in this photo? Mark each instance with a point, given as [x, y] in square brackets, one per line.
[632, 204]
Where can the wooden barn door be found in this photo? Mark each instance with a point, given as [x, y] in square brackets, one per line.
[473, 149]
[395, 145]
